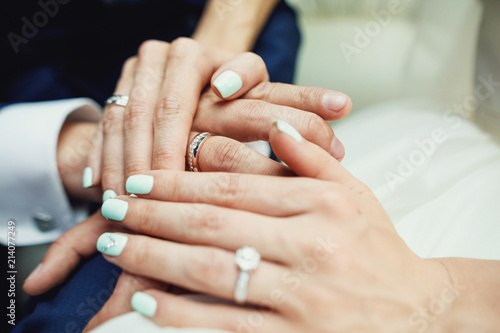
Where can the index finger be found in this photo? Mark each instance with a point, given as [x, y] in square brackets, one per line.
[254, 193]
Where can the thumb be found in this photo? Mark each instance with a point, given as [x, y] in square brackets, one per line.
[66, 253]
[239, 75]
[119, 302]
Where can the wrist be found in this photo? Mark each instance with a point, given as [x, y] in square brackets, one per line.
[475, 307]
[74, 143]
[233, 27]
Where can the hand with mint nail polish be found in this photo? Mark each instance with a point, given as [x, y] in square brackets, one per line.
[228, 83]
[114, 209]
[139, 184]
[108, 194]
[87, 177]
[111, 244]
[144, 304]
[342, 252]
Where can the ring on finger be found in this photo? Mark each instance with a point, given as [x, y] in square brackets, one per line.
[247, 259]
[121, 100]
[194, 151]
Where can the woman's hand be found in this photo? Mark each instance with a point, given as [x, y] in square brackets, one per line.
[164, 83]
[331, 258]
[250, 115]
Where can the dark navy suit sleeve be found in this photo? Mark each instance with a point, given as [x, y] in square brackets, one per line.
[278, 44]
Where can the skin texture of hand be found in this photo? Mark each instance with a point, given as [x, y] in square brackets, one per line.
[164, 83]
[265, 102]
[331, 258]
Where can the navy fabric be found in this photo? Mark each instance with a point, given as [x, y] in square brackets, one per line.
[69, 308]
[78, 52]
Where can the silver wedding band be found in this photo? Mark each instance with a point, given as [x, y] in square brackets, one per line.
[194, 151]
[121, 100]
[247, 259]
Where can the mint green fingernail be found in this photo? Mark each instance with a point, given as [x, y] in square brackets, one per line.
[144, 304]
[108, 194]
[111, 244]
[228, 83]
[288, 129]
[139, 184]
[87, 177]
[114, 209]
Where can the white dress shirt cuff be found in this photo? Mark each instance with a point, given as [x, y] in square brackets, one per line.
[32, 193]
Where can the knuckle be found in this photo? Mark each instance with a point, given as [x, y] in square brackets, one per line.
[137, 110]
[228, 155]
[325, 198]
[149, 46]
[107, 170]
[332, 197]
[318, 127]
[229, 189]
[304, 95]
[208, 269]
[169, 107]
[206, 226]
[163, 155]
[262, 91]
[182, 46]
[256, 110]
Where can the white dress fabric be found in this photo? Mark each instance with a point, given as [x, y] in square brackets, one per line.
[410, 137]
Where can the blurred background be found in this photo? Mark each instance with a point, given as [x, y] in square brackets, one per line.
[380, 50]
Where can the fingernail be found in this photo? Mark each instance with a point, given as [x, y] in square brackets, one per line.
[139, 184]
[111, 244]
[288, 129]
[108, 194]
[87, 177]
[228, 83]
[334, 101]
[35, 272]
[133, 196]
[114, 209]
[337, 149]
[144, 304]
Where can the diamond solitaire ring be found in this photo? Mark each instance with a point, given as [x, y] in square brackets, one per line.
[247, 259]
